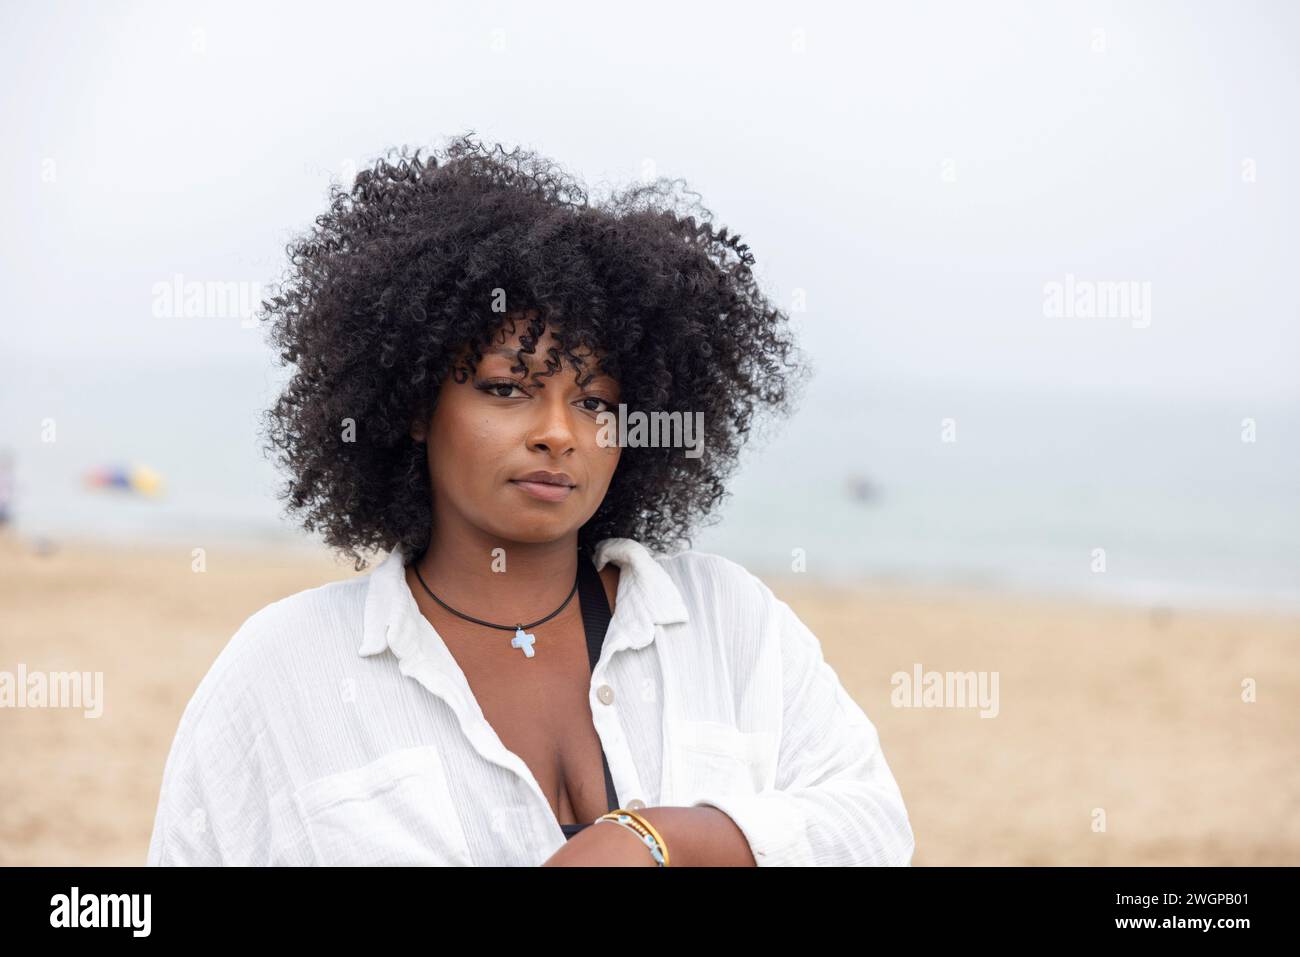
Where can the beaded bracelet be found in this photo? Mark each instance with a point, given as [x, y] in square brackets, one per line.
[642, 829]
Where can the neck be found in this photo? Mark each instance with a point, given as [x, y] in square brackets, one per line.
[520, 582]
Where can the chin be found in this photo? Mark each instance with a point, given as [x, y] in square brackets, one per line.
[536, 534]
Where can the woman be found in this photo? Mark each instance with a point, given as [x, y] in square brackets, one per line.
[472, 342]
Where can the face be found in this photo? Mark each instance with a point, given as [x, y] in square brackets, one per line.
[490, 432]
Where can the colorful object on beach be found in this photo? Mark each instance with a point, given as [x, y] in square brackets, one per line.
[139, 479]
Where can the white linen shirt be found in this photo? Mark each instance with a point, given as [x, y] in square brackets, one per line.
[336, 728]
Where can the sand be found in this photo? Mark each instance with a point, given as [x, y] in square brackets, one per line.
[1133, 713]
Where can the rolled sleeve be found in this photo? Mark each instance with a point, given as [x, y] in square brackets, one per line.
[834, 801]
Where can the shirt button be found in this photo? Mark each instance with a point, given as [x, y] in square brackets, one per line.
[635, 804]
[605, 693]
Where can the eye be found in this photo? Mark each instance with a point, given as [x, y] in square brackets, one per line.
[595, 398]
[492, 387]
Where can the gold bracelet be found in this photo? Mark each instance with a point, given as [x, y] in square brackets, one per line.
[640, 828]
[643, 828]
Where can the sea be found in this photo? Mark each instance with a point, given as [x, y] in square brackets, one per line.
[1179, 501]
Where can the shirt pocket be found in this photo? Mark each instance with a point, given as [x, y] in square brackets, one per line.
[707, 758]
[396, 810]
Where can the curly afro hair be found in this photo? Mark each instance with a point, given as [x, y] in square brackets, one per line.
[413, 264]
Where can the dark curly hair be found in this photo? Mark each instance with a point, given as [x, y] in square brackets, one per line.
[411, 266]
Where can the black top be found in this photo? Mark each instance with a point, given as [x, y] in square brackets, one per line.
[595, 621]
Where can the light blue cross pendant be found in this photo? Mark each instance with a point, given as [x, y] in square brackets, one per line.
[524, 640]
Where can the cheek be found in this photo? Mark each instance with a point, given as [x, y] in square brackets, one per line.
[607, 459]
[465, 446]
[485, 431]
[489, 442]
[465, 430]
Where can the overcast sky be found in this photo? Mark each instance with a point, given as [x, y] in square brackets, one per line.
[915, 172]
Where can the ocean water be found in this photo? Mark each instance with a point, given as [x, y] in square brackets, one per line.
[1183, 510]
[967, 486]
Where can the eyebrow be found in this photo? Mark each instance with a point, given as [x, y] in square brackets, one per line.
[510, 353]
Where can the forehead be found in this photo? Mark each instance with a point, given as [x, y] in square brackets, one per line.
[507, 341]
[535, 364]
[535, 358]
[503, 354]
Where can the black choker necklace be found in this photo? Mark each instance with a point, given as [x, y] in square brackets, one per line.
[522, 638]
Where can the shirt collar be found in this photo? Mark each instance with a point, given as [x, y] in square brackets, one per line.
[646, 597]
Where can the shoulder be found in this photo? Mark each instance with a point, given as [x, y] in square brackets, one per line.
[220, 765]
[713, 575]
[324, 610]
[705, 586]
[269, 647]
[727, 600]
[723, 599]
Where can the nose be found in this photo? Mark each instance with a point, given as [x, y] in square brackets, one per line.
[552, 432]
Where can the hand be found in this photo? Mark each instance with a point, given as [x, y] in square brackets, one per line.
[602, 845]
[697, 836]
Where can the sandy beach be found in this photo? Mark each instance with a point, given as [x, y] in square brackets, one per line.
[1132, 713]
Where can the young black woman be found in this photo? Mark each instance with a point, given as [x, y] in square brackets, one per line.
[462, 331]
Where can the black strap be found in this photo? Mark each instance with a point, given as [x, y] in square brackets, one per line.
[595, 621]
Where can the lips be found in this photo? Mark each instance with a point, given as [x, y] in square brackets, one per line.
[547, 478]
[544, 491]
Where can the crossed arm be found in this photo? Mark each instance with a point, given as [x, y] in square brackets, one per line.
[834, 802]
